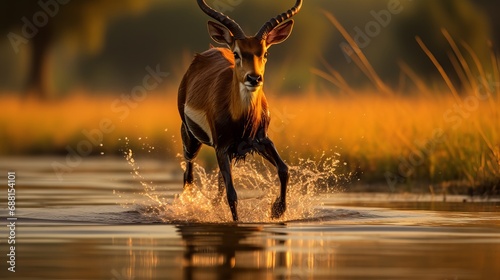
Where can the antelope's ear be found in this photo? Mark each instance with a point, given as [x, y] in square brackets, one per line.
[220, 34]
[280, 33]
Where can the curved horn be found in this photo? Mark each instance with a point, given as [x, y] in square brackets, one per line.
[272, 23]
[222, 18]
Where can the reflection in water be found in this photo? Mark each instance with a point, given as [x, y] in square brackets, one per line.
[217, 250]
[292, 251]
[139, 255]
[231, 251]
[78, 229]
[224, 252]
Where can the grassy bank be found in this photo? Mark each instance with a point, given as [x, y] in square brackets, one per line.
[430, 138]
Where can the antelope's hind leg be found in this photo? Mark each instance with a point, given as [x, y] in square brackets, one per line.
[191, 146]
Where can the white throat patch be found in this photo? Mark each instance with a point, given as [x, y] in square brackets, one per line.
[247, 95]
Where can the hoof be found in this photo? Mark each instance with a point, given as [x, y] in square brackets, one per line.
[278, 208]
[234, 212]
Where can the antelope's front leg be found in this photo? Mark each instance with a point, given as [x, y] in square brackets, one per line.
[224, 162]
[267, 149]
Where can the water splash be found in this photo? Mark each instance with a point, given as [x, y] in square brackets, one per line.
[257, 186]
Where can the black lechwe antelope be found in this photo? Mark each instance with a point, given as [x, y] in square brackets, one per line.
[222, 104]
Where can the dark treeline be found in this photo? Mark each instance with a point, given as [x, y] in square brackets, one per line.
[49, 47]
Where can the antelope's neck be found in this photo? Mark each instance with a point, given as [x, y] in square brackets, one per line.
[243, 101]
[247, 105]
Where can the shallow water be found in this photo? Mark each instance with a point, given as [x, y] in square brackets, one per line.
[109, 220]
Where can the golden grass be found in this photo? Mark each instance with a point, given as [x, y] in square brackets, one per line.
[434, 136]
[409, 138]
[427, 138]
[32, 126]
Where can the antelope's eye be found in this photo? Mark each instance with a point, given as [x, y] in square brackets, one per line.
[265, 55]
[236, 55]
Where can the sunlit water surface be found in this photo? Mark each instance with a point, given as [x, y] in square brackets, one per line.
[128, 218]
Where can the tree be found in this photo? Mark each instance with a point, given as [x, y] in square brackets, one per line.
[39, 25]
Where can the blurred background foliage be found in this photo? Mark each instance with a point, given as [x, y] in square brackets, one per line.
[80, 61]
[104, 45]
